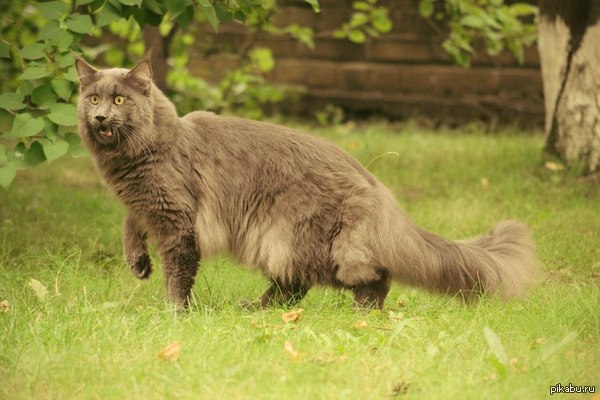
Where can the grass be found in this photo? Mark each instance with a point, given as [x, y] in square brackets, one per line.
[98, 331]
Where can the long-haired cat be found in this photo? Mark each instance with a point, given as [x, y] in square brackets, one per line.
[293, 205]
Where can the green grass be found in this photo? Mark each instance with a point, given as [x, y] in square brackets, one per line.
[98, 331]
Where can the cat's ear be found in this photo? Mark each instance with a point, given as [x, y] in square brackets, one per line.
[86, 72]
[141, 75]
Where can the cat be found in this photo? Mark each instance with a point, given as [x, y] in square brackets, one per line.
[291, 204]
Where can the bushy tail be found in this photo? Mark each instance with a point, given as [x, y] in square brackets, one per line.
[502, 261]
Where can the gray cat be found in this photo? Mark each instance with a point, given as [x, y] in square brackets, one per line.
[293, 205]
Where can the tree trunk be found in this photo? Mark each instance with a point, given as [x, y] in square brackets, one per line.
[569, 46]
[159, 46]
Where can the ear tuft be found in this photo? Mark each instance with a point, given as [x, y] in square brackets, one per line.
[85, 71]
[142, 74]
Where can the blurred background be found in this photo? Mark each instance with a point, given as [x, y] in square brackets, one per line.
[442, 63]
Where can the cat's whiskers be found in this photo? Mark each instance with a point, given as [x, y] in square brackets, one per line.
[129, 133]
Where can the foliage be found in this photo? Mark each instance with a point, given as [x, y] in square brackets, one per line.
[367, 20]
[497, 24]
[41, 41]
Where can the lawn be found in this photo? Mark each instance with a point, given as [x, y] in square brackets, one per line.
[74, 324]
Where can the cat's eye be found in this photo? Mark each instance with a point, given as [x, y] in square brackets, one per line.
[94, 99]
[119, 100]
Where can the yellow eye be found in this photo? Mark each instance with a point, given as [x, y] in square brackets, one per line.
[119, 100]
[94, 99]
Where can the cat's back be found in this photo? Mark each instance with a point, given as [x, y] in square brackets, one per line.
[260, 141]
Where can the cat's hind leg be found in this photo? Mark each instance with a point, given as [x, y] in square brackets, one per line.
[372, 294]
[283, 294]
[360, 271]
[278, 294]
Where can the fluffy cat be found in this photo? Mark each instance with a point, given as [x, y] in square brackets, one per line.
[293, 205]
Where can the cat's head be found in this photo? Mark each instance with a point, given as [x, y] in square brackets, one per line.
[116, 107]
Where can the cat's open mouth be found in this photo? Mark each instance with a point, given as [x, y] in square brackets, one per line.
[106, 132]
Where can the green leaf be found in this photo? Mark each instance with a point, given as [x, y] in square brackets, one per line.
[472, 21]
[7, 175]
[263, 59]
[75, 148]
[176, 7]
[4, 50]
[107, 15]
[209, 12]
[358, 19]
[25, 125]
[495, 345]
[314, 4]
[426, 8]
[339, 34]
[50, 129]
[63, 114]
[35, 154]
[61, 39]
[361, 5]
[62, 88]
[381, 22]
[131, 2]
[146, 16]
[65, 60]
[523, 9]
[32, 73]
[25, 88]
[33, 51]
[11, 101]
[71, 74]
[186, 17]
[154, 6]
[55, 150]
[44, 96]
[49, 30]
[53, 10]
[82, 2]
[114, 56]
[516, 48]
[357, 36]
[552, 348]
[79, 23]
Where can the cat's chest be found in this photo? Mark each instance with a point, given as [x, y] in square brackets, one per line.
[146, 189]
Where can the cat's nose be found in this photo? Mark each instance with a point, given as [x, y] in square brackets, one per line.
[100, 118]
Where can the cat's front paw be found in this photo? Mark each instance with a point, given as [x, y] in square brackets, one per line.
[141, 266]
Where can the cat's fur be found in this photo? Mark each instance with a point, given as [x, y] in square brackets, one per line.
[293, 205]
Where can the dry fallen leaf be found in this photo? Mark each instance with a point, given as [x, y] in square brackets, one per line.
[292, 316]
[490, 377]
[38, 288]
[171, 352]
[290, 351]
[361, 325]
[552, 166]
[485, 183]
[4, 306]
[537, 342]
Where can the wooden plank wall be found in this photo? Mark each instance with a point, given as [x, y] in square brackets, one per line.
[402, 74]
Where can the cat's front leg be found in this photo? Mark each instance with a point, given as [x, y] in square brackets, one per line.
[135, 250]
[181, 256]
